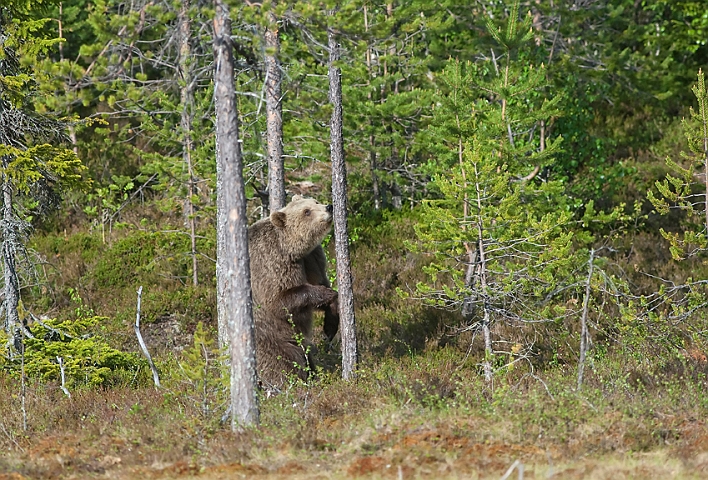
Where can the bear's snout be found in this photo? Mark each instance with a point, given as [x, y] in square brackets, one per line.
[330, 208]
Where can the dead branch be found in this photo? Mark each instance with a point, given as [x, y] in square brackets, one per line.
[143, 347]
[63, 377]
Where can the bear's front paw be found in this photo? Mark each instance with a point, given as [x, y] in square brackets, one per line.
[325, 296]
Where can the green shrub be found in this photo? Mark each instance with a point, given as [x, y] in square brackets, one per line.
[147, 257]
[88, 360]
[127, 260]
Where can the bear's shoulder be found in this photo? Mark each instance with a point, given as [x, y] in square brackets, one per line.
[264, 238]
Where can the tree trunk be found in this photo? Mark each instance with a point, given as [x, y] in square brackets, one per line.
[233, 276]
[468, 303]
[347, 321]
[274, 117]
[584, 321]
[9, 244]
[187, 103]
[482, 259]
[372, 141]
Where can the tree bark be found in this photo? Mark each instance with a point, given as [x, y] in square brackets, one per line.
[235, 305]
[339, 200]
[187, 103]
[9, 245]
[274, 117]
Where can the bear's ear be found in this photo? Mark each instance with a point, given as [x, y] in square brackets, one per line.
[296, 198]
[278, 219]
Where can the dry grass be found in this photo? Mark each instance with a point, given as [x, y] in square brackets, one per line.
[415, 417]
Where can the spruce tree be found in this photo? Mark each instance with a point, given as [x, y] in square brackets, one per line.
[33, 163]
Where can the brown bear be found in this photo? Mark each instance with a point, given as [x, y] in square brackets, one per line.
[289, 281]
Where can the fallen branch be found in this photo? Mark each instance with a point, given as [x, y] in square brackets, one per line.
[143, 347]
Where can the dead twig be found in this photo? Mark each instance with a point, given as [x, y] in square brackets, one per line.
[63, 377]
[519, 468]
[143, 347]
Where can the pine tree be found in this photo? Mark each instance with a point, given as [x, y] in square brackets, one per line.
[235, 306]
[681, 189]
[498, 233]
[339, 199]
[274, 121]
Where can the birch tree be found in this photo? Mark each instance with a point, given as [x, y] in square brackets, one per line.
[234, 303]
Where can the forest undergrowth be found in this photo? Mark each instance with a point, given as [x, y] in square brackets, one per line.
[527, 204]
[419, 407]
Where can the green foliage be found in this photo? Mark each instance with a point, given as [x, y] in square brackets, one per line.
[142, 255]
[194, 304]
[490, 206]
[127, 260]
[202, 371]
[29, 142]
[89, 361]
[681, 189]
[443, 106]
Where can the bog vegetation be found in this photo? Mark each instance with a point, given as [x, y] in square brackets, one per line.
[528, 216]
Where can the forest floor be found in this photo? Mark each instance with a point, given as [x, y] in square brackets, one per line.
[419, 408]
[339, 430]
[424, 454]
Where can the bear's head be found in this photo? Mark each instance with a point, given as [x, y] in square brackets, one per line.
[304, 223]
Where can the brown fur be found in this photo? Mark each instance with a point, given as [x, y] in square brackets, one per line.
[289, 281]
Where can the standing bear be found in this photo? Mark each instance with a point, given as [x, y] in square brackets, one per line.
[289, 281]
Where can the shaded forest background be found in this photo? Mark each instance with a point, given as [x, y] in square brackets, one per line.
[510, 244]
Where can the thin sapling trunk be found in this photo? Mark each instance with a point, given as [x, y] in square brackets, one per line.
[339, 200]
[274, 117]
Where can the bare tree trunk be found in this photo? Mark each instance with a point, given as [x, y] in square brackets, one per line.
[187, 103]
[486, 318]
[60, 21]
[468, 301]
[704, 125]
[372, 142]
[339, 200]
[584, 321]
[9, 245]
[233, 275]
[274, 117]
[394, 188]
